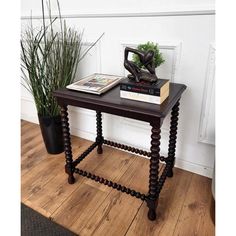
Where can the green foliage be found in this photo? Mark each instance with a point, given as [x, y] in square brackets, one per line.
[49, 60]
[158, 58]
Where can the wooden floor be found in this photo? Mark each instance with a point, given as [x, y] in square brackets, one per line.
[88, 208]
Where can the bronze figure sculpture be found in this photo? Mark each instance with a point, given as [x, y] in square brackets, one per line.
[137, 74]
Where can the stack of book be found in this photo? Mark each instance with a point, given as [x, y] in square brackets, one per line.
[145, 92]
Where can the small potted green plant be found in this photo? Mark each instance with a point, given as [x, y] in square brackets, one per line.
[158, 57]
[49, 61]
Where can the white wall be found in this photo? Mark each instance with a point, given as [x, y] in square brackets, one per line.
[185, 34]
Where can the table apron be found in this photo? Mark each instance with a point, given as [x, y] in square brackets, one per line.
[111, 110]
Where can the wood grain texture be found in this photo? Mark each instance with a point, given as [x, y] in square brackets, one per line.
[118, 208]
[195, 216]
[89, 208]
[106, 166]
[169, 207]
[32, 157]
[30, 136]
[53, 193]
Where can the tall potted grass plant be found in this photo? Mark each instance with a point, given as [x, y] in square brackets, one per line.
[49, 61]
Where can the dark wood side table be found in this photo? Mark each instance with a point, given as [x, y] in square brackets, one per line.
[111, 103]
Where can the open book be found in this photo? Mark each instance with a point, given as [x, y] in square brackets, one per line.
[95, 83]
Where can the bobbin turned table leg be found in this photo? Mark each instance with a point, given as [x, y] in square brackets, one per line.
[152, 199]
[69, 168]
[99, 138]
[172, 138]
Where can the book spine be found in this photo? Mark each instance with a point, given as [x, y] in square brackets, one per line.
[140, 97]
[139, 89]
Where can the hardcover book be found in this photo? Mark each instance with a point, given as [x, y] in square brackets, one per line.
[144, 97]
[95, 83]
[156, 89]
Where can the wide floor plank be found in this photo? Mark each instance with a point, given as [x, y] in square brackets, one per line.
[195, 216]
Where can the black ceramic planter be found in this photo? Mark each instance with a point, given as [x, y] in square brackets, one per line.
[51, 129]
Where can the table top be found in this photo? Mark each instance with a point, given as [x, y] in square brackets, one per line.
[110, 102]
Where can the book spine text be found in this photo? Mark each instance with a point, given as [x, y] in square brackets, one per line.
[138, 89]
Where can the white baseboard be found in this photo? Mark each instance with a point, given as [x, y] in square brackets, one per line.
[194, 168]
[29, 118]
[82, 134]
